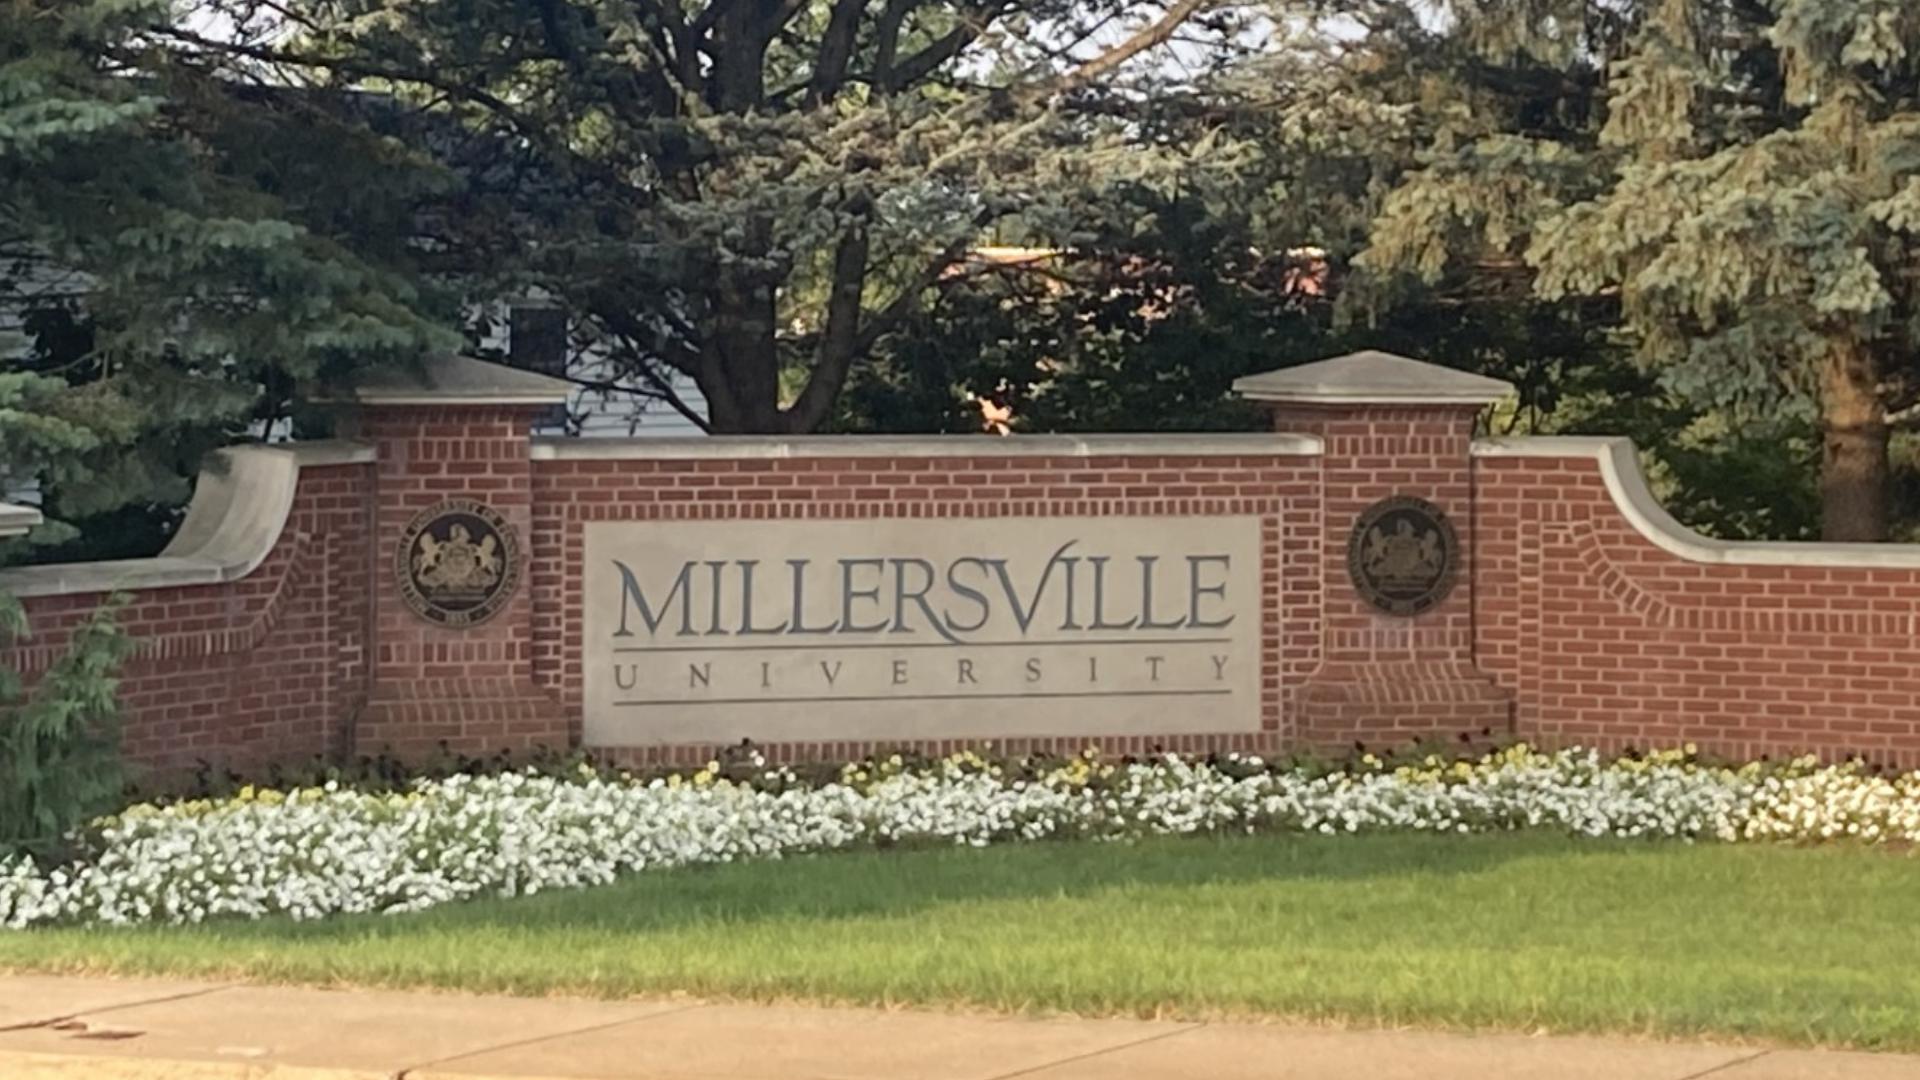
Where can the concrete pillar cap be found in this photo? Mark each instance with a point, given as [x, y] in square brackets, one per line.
[452, 380]
[15, 520]
[1371, 378]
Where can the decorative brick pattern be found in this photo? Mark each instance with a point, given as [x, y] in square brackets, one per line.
[265, 668]
[1606, 639]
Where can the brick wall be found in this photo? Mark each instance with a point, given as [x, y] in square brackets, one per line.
[269, 667]
[1582, 613]
[1388, 679]
[470, 688]
[1606, 637]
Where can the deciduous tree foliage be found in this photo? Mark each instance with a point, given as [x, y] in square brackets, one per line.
[1740, 174]
[749, 192]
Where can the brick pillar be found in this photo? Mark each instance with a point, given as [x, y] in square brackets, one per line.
[1390, 427]
[459, 431]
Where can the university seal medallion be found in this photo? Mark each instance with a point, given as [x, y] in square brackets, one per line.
[1403, 554]
[457, 563]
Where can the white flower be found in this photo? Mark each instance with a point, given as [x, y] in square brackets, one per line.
[322, 851]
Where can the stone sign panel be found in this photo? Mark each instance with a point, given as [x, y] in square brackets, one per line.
[783, 631]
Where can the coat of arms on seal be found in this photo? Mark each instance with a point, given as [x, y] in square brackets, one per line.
[457, 563]
[1403, 554]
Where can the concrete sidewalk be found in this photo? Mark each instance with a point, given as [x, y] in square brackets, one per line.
[54, 1028]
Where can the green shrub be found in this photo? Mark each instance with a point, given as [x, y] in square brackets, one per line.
[60, 745]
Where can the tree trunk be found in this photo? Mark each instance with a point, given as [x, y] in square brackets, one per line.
[740, 376]
[746, 400]
[1853, 465]
[840, 338]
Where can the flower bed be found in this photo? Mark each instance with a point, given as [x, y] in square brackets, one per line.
[318, 851]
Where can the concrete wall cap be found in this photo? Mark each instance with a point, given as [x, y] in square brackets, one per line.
[1371, 378]
[1627, 484]
[239, 509]
[109, 575]
[750, 447]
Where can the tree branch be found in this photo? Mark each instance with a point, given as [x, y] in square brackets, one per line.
[836, 49]
[709, 15]
[683, 356]
[942, 49]
[882, 321]
[892, 73]
[624, 88]
[347, 66]
[783, 15]
[887, 41]
[839, 343]
[1145, 38]
[536, 134]
[662, 388]
[683, 59]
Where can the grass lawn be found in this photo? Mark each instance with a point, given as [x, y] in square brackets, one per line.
[1522, 931]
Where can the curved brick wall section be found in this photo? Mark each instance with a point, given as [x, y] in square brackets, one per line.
[1606, 638]
[1282, 489]
[267, 667]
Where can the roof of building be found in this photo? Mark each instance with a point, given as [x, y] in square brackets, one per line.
[462, 379]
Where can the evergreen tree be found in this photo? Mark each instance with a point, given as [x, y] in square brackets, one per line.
[171, 250]
[1739, 174]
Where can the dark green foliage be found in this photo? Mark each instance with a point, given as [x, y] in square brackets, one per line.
[1739, 178]
[59, 744]
[741, 198]
[183, 252]
[1146, 327]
